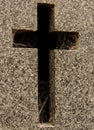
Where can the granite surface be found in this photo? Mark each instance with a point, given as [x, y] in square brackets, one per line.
[5, 24]
[72, 72]
[74, 108]
[18, 88]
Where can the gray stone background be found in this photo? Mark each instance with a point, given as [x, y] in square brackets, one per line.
[73, 78]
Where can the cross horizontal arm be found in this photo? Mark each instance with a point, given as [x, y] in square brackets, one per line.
[64, 40]
[25, 39]
[56, 40]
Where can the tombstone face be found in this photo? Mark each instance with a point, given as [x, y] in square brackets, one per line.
[71, 71]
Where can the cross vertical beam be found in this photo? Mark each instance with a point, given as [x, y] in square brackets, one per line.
[45, 26]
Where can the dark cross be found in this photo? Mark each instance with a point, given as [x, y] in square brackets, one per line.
[45, 39]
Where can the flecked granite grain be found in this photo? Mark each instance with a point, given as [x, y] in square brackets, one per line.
[18, 88]
[5, 24]
[72, 72]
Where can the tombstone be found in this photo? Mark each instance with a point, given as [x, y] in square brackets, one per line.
[69, 52]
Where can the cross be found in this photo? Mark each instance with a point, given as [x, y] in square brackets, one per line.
[45, 39]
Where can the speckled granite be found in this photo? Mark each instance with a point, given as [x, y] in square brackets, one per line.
[74, 88]
[72, 75]
[18, 88]
[25, 13]
[5, 24]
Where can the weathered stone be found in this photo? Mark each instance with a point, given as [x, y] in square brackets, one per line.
[72, 75]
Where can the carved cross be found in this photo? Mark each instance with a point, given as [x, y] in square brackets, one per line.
[45, 39]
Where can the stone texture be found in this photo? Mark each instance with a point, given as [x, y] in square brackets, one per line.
[5, 24]
[74, 90]
[72, 71]
[18, 88]
[24, 13]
